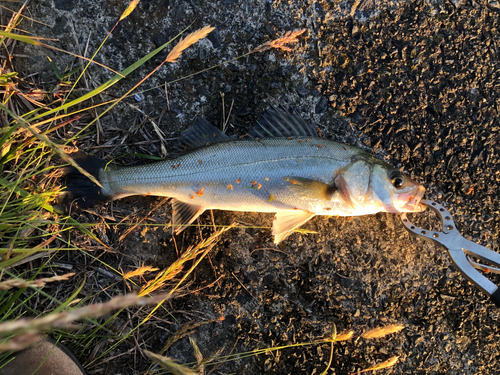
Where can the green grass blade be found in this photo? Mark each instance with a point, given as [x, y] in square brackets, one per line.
[21, 38]
[8, 304]
[54, 68]
[79, 226]
[51, 144]
[66, 303]
[7, 78]
[37, 248]
[108, 84]
[8, 134]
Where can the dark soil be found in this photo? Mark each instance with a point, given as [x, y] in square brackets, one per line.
[418, 85]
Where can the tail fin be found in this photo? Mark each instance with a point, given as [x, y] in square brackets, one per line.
[80, 192]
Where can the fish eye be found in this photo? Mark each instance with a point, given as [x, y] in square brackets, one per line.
[398, 179]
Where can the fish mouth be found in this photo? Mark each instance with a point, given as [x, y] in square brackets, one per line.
[413, 200]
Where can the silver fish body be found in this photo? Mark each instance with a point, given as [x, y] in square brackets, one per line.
[296, 177]
[245, 176]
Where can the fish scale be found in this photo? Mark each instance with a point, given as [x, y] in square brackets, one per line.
[224, 163]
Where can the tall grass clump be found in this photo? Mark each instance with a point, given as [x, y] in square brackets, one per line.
[34, 239]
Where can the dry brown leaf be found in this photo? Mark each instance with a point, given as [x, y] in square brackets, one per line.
[189, 40]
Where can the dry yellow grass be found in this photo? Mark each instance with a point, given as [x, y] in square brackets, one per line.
[189, 40]
[38, 283]
[133, 4]
[198, 251]
[380, 366]
[290, 37]
[20, 342]
[27, 330]
[382, 331]
[170, 364]
[138, 272]
[345, 336]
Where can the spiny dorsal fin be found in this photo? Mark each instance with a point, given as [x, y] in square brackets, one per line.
[311, 188]
[184, 214]
[278, 122]
[286, 221]
[200, 134]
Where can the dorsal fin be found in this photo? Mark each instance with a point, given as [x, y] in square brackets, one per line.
[278, 122]
[200, 134]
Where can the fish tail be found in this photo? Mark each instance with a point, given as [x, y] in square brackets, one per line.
[80, 192]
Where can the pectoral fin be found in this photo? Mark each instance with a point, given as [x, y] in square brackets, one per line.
[311, 188]
[286, 221]
[184, 214]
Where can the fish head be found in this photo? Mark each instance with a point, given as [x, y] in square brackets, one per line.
[395, 190]
[371, 185]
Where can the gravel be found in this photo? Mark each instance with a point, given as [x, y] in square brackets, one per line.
[415, 83]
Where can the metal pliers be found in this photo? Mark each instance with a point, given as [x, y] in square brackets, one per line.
[461, 250]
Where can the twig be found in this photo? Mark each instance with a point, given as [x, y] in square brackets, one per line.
[133, 144]
[166, 95]
[244, 287]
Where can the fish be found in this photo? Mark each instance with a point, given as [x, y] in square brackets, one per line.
[281, 166]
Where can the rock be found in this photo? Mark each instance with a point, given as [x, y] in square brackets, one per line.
[303, 91]
[321, 105]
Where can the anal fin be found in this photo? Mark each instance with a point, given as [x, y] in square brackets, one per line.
[184, 214]
[286, 221]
